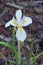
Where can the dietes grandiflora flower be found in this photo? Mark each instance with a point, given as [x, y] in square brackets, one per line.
[19, 22]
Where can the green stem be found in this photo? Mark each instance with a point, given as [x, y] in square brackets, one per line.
[13, 50]
[18, 46]
[19, 53]
[13, 35]
[38, 55]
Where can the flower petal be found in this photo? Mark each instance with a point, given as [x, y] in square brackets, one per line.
[18, 14]
[21, 35]
[8, 23]
[26, 21]
[11, 22]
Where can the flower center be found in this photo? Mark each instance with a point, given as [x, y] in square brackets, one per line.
[18, 26]
[15, 23]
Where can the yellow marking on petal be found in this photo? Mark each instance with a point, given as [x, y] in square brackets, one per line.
[24, 21]
[15, 23]
[18, 26]
[20, 29]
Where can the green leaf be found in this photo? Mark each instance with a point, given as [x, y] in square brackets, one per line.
[13, 50]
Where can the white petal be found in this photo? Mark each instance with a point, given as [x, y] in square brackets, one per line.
[21, 36]
[26, 21]
[18, 14]
[11, 22]
[8, 24]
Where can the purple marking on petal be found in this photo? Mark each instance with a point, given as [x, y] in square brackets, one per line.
[23, 19]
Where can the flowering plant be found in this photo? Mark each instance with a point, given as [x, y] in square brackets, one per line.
[18, 23]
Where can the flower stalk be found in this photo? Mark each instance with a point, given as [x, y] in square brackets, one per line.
[14, 30]
[21, 35]
[19, 52]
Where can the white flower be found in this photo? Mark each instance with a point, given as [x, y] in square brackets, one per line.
[19, 22]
